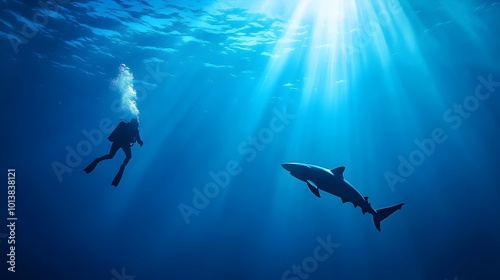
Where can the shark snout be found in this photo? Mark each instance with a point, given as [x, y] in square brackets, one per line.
[297, 170]
[288, 166]
[293, 167]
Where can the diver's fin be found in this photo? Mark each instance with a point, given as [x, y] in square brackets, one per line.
[314, 190]
[381, 214]
[118, 176]
[339, 171]
[91, 166]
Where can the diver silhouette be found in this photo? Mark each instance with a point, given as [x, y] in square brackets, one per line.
[123, 136]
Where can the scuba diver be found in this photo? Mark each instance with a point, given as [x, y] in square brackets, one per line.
[123, 136]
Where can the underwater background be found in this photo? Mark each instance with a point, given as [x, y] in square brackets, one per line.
[405, 94]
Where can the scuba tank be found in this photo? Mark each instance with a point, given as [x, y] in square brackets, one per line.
[118, 132]
[122, 133]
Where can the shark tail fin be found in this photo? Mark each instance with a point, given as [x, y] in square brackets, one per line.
[383, 213]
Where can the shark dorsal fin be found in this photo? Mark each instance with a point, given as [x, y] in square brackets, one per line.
[339, 171]
[366, 198]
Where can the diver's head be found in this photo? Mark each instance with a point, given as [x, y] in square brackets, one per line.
[134, 122]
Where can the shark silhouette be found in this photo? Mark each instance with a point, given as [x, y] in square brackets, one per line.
[332, 181]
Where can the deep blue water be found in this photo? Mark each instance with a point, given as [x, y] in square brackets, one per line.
[396, 91]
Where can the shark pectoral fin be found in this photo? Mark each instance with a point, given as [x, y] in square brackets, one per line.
[338, 172]
[313, 189]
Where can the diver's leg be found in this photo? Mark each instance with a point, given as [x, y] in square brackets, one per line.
[112, 152]
[128, 155]
[91, 166]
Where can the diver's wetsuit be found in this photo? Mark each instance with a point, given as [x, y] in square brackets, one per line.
[124, 135]
[125, 146]
[128, 135]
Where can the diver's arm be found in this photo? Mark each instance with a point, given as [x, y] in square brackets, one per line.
[139, 140]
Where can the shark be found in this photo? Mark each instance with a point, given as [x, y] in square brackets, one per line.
[332, 181]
